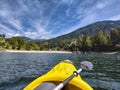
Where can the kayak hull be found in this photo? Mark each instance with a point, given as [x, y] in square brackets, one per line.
[58, 74]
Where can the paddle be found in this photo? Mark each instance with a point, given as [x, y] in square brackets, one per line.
[85, 65]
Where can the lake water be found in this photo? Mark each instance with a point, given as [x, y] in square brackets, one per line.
[19, 69]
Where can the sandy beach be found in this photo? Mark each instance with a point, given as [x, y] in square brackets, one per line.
[33, 51]
[22, 51]
[110, 52]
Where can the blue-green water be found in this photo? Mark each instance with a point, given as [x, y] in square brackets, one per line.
[19, 69]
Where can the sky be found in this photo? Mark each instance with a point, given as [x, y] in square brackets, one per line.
[45, 19]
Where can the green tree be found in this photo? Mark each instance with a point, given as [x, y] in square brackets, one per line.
[17, 43]
[115, 36]
[2, 37]
[86, 43]
[2, 44]
[100, 40]
[74, 45]
[80, 41]
[31, 46]
[7, 45]
[2, 41]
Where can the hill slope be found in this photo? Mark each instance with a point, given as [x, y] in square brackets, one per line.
[102, 43]
[92, 29]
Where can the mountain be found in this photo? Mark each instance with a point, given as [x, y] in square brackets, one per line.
[92, 29]
[39, 40]
[26, 39]
[70, 41]
[29, 39]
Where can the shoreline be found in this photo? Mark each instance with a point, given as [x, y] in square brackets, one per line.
[20, 51]
[110, 52]
[34, 51]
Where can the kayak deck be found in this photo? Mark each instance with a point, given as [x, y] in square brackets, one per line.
[58, 74]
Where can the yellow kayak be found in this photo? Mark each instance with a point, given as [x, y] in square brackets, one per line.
[58, 74]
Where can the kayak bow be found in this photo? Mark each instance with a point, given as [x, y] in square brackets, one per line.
[58, 74]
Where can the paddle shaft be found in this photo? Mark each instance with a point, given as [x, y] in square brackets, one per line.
[61, 85]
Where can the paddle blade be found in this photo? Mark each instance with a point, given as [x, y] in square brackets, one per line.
[86, 65]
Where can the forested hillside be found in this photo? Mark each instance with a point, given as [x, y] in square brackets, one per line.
[100, 36]
[94, 28]
[101, 41]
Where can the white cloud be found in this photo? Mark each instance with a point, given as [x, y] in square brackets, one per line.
[14, 19]
[116, 17]
[3, 12]
[8, 31]
[50, 16]
[12, 34]
[31, 34]
[8, 18]
[15, 23]
[67, 1]
[17, 34]
[101, 5]
[23, 7]
[38, 18]
[37, 30]
[68, 12]
[5, 29]
[12, 14]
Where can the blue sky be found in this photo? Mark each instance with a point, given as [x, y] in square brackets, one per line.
[40, 19]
